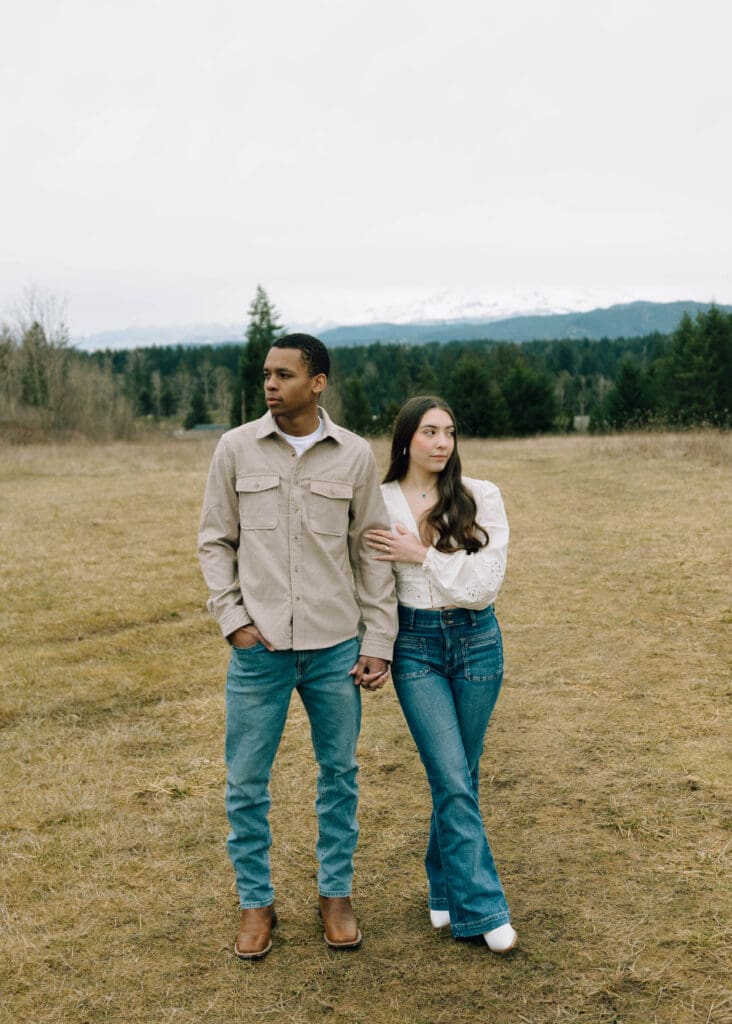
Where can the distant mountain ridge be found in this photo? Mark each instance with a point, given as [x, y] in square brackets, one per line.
[629, 320]
[147, 337]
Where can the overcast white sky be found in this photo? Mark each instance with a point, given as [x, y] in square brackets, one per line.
[163, 157]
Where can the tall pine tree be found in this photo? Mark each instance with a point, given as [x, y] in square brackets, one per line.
[480, 407]
[530, 398]
[629, 403]
[248, 394]
[696, 373]
[198, 412]
[356, 409]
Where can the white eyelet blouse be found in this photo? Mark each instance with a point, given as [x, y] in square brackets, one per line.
[456, 577]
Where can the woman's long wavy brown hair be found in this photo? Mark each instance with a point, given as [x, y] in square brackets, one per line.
[452, 517]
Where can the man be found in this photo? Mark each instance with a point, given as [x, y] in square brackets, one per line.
[293, 586]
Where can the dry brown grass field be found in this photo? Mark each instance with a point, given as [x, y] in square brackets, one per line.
[606, 776]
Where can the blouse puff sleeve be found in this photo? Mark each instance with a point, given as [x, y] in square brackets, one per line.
[473, 581]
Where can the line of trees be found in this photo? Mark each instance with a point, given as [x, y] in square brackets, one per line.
[47, 388]
[496, 388]
[503, 389]
[690, 381]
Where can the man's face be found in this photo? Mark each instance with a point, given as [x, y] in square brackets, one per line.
[288, 387]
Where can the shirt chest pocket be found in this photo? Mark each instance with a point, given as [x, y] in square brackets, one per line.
[330, 502]
[258, 501]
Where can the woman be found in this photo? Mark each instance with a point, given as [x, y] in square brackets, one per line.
[448, 548]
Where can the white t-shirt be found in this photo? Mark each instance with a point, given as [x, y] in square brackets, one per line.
[301, 444]
[455, 577]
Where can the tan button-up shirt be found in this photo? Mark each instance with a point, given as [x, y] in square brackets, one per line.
[281, 540]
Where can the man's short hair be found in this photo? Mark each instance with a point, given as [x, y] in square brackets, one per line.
[314, 353]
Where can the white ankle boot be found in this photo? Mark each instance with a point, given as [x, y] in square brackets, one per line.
[439, 918]
[500, 940]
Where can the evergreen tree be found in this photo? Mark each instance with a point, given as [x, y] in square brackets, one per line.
[385, 422]
[565, 391]
[717, 327]
[499, 422]
[168, 400]
[138, 383]
[696, 374]
[530, 398]
[401, 373]
[562, 357]
[198, 413]
[423, 376]
[36, 353]
[479, 405]
[248, 393]
[629, 403]
[356, 410]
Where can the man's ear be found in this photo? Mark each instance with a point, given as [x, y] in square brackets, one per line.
[319, 384]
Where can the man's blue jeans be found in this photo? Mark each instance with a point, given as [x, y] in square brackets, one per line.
[447, 671]
[259, 685]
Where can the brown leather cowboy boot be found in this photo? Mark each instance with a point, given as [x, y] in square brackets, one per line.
[255, 932]
[341, 927]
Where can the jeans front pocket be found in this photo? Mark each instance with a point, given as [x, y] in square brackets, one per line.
[483, 655]
[258, 498]
[410, 657]
[330, 503]
[256, 646]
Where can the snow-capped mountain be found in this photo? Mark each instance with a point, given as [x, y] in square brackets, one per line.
[449, 306]
[438, 316]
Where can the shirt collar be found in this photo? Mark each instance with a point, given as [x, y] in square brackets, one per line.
[267, 426]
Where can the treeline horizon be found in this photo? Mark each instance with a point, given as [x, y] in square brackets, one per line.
[497, 389]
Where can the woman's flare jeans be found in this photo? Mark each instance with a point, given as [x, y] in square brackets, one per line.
[447, 671]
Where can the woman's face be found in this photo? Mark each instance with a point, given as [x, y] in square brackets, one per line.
[433, 442]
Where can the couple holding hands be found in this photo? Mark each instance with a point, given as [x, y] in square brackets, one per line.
[324, 582]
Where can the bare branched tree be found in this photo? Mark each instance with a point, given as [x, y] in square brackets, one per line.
[39, 306]
[47, 387]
